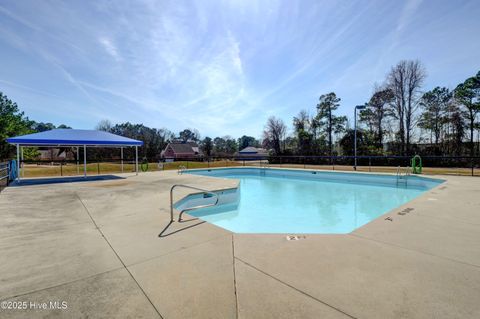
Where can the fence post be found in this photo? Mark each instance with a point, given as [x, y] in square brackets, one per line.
[98, 167]
[9, 168]
[8, 172]
[472, 165]
[61, 168]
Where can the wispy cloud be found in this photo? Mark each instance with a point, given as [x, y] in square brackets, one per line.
[222, 67]
[408, 11]
[406, 16]
[110, 48]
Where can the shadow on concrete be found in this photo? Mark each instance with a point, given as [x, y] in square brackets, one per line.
[65, 179]
[162, 233]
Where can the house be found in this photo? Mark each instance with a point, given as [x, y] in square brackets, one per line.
[55, 154]
[181, 150]
[252, 153]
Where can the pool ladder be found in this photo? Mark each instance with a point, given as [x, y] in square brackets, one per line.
[263, 167]
[203, 191]
[402, 178]
[181, 169]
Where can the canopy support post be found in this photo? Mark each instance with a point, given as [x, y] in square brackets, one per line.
[78, 168]
[84, 160]
[18, 163]
[121, 156]
[22, 164]
[136, 160]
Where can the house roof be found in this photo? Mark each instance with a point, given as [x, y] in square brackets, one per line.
[184, 147]
[73, 137]
[253, 150]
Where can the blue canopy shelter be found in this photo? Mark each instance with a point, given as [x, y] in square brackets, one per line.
[75, 138]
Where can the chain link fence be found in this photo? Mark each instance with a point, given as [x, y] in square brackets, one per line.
[432, 165]
[4, 175]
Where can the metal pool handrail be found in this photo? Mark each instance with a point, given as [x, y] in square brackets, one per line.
[403, 177]
[181, 169]
[190, 208]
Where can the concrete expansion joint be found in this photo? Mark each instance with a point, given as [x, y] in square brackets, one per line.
[414, 250]
[176, 251]
[120, 259]
[296, 289]
[234, 275]
[60, 285]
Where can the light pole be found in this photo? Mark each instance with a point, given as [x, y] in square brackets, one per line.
[358, 107]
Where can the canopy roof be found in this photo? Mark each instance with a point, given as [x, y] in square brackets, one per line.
[62, 137]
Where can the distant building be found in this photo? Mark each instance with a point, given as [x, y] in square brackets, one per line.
[252, 153]
[55, 154]
[181, 150]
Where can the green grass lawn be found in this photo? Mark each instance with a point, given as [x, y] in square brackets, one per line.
[33, 170]
[70, 169]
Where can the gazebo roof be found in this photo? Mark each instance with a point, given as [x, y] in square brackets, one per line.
[72, 137]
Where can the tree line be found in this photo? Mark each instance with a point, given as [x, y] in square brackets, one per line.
[400, 118]
[14, 122]
[156, 140]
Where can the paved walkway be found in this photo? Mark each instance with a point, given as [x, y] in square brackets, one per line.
[94, 245]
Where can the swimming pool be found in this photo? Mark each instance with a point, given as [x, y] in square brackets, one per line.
[301, 201]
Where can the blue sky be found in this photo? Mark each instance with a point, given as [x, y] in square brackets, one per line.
[222, 67]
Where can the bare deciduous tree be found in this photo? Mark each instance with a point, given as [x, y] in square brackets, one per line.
[301, 121]
[405, 80]
[303, 135]
[104, 125]
[274, 134]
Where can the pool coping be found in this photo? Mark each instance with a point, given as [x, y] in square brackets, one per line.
[425, 263]
[435, 177]
[440, 181]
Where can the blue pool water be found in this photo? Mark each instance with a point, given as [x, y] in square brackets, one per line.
[297, 201]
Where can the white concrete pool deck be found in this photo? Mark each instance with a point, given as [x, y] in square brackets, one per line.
[95, 246]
